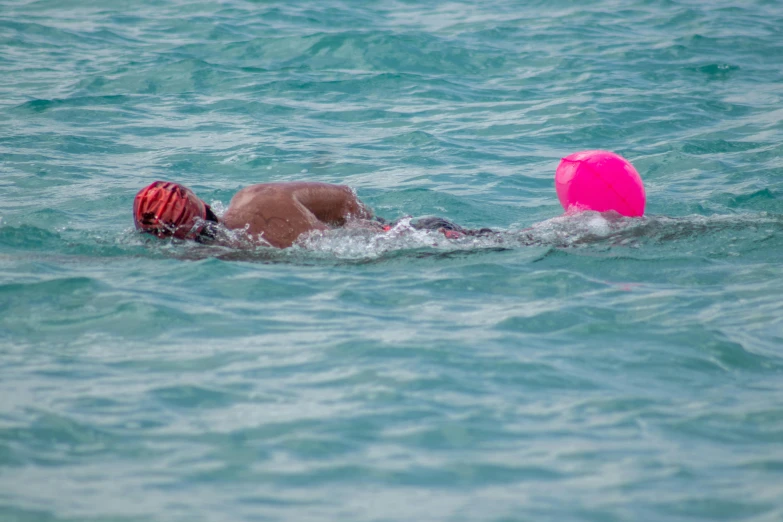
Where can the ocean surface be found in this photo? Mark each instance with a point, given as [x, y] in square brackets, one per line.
[570, 368]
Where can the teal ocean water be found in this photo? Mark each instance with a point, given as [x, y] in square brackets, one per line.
[586, 368]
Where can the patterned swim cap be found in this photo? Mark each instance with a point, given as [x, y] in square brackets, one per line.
[168, 209]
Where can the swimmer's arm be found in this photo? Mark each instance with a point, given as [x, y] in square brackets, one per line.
[330, 204]
[278, 213]
[271, 217]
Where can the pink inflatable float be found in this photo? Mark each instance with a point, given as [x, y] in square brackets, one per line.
[599, 180]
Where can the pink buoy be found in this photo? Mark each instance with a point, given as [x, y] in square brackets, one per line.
[599, 180]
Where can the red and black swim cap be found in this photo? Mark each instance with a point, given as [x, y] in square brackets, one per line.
[168, 209]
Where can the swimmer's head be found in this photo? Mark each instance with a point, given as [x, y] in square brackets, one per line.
[168, 209]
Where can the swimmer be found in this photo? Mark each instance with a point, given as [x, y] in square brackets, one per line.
[273, 213]
[278, 214]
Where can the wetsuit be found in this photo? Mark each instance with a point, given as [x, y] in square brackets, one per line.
[446, 227]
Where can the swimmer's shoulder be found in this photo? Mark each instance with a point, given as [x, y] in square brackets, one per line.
[258, 194]
[280, 188]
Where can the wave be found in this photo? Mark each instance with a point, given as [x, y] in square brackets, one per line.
[585, 230]
[717, 234]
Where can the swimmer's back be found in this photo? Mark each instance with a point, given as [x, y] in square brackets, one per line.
[278, 213]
